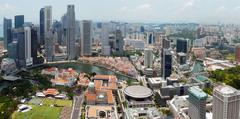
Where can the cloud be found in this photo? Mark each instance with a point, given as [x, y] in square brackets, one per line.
[220, 9]
[189, 3]
[139, 8]
[123, 9]
[236, 8]
[143, 7]
[6, 8]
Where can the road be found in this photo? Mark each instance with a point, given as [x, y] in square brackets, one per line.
[76, 111]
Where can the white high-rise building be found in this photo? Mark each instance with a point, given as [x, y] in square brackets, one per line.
[71, 32]
[226, 102]
[27, 41]
[48, 33]
[105, 39]
[86, 38]
[148, 58]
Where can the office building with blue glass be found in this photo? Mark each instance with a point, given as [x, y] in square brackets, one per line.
[182, 45]
[7, 27]
[19, 21]
[166, 63]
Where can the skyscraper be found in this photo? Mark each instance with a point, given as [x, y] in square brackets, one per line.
[34, 44]
[150, 38]
[165, 43]
[226, 102]
[119, 41]
[148, 58]
[42, 36]
[12, 50]
[182, 45]
[237, 53]
[64, 29]
[18, 37]
[7, 27]
[166, 63]
[197, 103]
[70, 32]
[19, 21]
[48, 37]
[28, 49]
[105, 39]
[86, 38]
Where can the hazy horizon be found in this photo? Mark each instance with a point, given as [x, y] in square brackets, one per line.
[157, 11]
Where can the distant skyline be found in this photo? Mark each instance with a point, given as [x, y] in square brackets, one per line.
[157, 11]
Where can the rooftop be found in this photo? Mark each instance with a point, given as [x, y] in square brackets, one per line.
[197, 92]
[226, 90]
[201, 78]
[156, 80]
[94, 110]
[138, 91]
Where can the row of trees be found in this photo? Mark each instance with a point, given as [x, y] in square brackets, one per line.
[229, 76]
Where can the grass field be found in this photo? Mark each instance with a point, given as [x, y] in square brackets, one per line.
[67, 103]
[57, 102]
[39, 112]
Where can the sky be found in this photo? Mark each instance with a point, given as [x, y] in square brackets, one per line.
[157, 11]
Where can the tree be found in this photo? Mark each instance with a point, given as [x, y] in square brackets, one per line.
[102, 114]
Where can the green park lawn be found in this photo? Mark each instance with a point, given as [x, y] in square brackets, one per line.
[39, 112]
[67, 103]
[58, 102]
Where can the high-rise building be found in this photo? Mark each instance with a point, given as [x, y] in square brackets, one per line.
[237, 53]
[181, 58]
[197, 103]
[166, 43]
[48, 35]
[12, 50]
[64, 30]
[166, 63]
[226, 101]
[42, 19]
[57, 28]
[7, 31]
[19, 38]
[150, 38]
[34, 45]
[119, 41]
[28, 49]
[105, 39]
[71, 32]
[148, 58]
[86, 38]
[182, 45]
[142, 29]
[19, 21]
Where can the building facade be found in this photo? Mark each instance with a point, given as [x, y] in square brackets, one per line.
[226, 102]
[197, 103]
[7, 27]
[42, 32]
[148, 58]
[237, 53]
[48, 35]
[86, 38]
[71, 32]
[27, 38]
[182, 45]
[166, 63]
[19, 21]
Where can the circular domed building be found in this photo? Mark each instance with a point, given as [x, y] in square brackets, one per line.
[138, 96]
